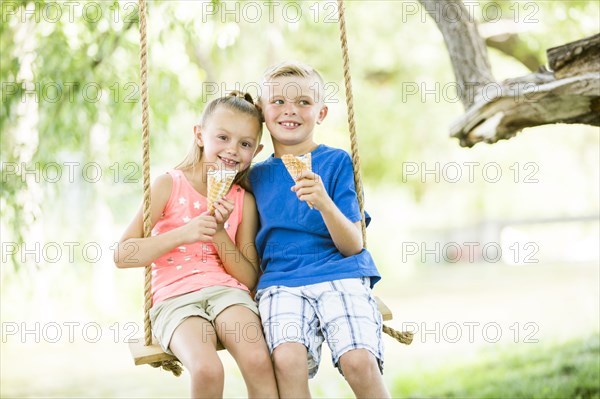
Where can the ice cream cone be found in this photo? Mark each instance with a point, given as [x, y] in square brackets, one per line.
[296, 165]
[219, 183]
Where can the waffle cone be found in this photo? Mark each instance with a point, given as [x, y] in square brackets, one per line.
[296, 165]
[219, 184]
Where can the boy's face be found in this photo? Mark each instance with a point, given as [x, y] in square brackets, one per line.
[292, 106]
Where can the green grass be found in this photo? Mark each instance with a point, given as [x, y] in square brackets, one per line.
[568, 370]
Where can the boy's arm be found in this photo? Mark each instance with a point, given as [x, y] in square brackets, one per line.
[346, 235]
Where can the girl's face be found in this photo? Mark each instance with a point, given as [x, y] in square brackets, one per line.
[229, 139]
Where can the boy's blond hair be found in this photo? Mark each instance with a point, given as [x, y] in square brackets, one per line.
[291, 68]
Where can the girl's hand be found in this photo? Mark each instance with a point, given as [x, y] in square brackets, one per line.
[201, 228]
[223, 209]
[309, 188]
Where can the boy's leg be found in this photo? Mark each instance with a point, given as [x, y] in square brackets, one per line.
[353, 328]
[291, 330]
[240, 332]
[291, 369]
[361, 370]
[194, 343]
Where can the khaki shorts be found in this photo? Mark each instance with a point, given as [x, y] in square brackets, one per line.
[207, 303]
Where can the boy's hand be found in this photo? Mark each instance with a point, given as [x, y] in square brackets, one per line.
[309, 188]
[223, 209]
[201, 228]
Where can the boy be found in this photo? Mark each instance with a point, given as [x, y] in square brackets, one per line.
[317, 277]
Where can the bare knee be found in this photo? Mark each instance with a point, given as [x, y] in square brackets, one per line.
[359, 363]
[257, 362]
[206, 373]
[290, 358]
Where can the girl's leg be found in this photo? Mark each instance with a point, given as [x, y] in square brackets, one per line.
[240, 332]
[194, 342]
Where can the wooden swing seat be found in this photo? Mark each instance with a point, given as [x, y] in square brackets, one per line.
[143, 354]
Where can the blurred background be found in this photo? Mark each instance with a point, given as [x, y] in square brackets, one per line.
[489, 255]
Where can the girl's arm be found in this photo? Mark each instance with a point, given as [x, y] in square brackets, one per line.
[240, 259]
[135, 251]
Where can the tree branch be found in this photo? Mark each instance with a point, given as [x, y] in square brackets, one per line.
[574, 58]
[510, 44]
[568, 94]
[505, 36]
[568, 100]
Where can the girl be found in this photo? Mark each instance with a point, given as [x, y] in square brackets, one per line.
[204, 264]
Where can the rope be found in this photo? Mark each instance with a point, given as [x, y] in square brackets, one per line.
[145, 167]
[403, 337]
[351, 123]
[171, 365]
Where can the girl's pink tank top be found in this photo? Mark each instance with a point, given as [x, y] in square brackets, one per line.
[191, 267]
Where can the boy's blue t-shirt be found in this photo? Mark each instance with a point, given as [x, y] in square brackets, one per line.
[293, 242]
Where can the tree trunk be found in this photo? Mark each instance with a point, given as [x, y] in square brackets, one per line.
[467, 49]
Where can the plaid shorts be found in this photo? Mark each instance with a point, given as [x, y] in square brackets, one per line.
[343, 312]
